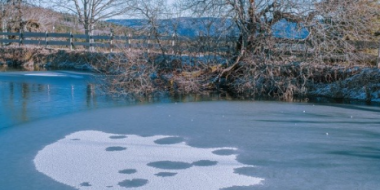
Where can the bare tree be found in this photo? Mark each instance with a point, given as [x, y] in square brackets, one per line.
[16, 16]
[339, 26]
[332, 26]
[254, 18]
[152, 11]
[12, 12]
[89, 12]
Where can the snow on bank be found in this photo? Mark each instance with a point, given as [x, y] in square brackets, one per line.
[98, 160]
[364, 86]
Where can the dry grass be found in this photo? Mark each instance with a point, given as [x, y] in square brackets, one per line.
[138, 74]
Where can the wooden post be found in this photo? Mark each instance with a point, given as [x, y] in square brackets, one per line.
[202, 48]
[91, 37]
[111, 41]
[21, 37]
[215, 46]
[3, 37]
[173, 43]
[129, 41]
[4, 28]
[91, 41]
[46, 37]
[71, 41]
[148, 44]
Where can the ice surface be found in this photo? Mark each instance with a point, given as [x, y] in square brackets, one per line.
[165, 174]
[128, 171]
[224, 152]
[169, 140]
[148, 164]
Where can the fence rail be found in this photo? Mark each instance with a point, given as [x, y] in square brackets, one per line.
[74, 41]
[201, 44]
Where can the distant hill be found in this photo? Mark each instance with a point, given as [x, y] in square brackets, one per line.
[193, 27]
[189, 27]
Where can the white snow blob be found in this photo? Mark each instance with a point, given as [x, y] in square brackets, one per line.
[98, 160]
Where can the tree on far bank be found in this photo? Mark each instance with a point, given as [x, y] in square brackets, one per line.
[331, 26]
[90, 12]
[254, 18]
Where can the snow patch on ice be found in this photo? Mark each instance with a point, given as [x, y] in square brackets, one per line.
[86, 162]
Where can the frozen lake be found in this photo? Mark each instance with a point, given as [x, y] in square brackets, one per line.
[59, 137]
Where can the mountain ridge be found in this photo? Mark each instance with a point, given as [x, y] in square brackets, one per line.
[209, 26]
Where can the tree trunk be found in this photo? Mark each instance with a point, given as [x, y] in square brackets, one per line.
[251, 25]
[88, 31]
[247, 37]
[3, 17]
[92, 48]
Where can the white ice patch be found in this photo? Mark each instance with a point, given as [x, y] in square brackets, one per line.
[98, 160]
[46, 74]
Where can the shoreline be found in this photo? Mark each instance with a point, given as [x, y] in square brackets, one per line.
[284, 82]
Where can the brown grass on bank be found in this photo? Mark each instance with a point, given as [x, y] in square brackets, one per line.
[141, 74]
[127, 74]
[135, 73]
[287, 81]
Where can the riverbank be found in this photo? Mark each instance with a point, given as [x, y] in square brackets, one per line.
[33, 58]
[140, 74]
